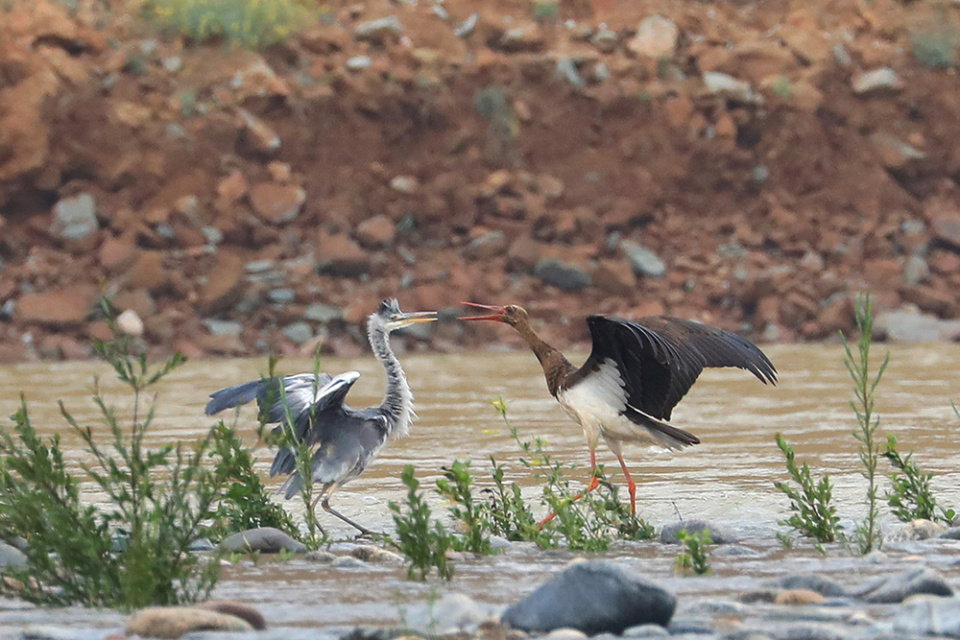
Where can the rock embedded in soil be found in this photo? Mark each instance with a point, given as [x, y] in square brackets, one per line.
[594, 597]
[718, 533]
[263, 539]
[656, 38]
[75, 221]
[277, 203]
[643, 261]
[883, 79]
[55, 308]
[174, 622]
[898, 587]
[561, 274]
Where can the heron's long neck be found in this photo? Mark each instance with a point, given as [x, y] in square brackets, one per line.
[556, 367]
[398, 400]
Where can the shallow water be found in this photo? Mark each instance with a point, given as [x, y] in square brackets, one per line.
[728, 478]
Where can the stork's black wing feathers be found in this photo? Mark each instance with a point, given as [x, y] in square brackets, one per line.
[660, 357]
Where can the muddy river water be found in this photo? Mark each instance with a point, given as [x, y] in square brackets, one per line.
[727, 479]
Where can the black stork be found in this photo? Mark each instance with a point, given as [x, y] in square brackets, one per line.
[347, 440]
[637, 372]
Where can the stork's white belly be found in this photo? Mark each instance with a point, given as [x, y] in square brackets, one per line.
[597, 402]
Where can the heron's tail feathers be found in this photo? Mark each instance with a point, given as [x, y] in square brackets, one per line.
[285, 462]
[292, 486]
[661, 432]
[233, 396]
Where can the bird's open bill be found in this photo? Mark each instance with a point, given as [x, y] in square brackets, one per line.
[416, 317]
[497, 315]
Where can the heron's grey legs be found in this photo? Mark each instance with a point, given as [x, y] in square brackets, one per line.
[325, 494]
[326, 507]
[313, 508]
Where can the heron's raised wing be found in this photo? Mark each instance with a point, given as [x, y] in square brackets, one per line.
[300, 393]
[658, 358]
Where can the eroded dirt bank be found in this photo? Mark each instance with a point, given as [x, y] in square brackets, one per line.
[747, 164]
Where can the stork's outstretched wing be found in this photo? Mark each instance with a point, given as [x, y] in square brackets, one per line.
[658, 358]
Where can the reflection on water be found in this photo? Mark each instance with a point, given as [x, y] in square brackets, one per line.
[727, 478]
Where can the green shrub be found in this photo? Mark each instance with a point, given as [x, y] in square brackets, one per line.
[132, 551]
[910, 496]
[423, 541]
[693, 553]
[456, 487]
[814, 516]
[245, 502]
[247, 23]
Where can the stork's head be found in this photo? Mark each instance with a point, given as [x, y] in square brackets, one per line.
[511, 314]
[392, 318]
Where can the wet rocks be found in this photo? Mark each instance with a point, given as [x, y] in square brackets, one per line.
[926, 615]
[593, 597]
[899, 587]
[370, 553]
[263, 539]
[173, 622]
[718, 533]
[453, 613]
[916, 530]
[245, 612]
[813, 582]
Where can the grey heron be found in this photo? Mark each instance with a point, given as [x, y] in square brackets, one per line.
[636, 373]
[347, 440]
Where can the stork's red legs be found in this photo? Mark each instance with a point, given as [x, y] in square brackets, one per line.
[594, 483]
[631, 485]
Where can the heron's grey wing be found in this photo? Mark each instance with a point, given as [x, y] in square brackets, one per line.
[313, 425]
[298, 389]
[233, 396]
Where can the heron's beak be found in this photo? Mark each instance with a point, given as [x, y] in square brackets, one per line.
[407, 319]
[498, 312]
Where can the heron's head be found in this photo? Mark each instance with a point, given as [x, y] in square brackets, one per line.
[510, 314]
[392, 318]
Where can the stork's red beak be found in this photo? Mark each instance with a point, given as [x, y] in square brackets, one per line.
[497, 316]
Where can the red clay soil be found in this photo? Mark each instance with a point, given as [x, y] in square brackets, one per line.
[777, 157]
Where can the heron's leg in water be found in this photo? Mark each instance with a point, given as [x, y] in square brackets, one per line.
[594, 483]
[326, 507]
[313, 507]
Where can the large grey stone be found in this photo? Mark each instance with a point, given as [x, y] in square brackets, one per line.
[263, 539]
[899, 587]
[719, 534]
[594, 597]
[10, 556]
[560, 274]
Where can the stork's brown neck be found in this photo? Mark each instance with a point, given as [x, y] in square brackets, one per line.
[556, 367]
